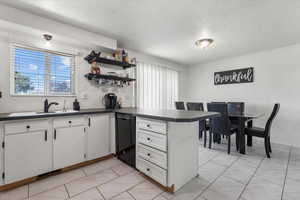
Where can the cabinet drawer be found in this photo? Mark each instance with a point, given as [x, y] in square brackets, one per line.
[151, 125]
[69, 121]
[157, 157]
[152, 139]
[156, 173]
[25, 126]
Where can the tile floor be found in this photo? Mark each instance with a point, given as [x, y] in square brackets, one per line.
[221, 177]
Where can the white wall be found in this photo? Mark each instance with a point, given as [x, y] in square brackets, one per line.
[93, 92]
[276, 79]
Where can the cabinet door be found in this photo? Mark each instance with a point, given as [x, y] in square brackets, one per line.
[68, 148]
[98, 136]
[27, 155]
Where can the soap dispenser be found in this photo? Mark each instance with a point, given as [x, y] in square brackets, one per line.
[76, 105]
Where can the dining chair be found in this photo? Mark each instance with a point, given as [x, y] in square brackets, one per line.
[220, 125]
[264, 132]
[179, 105]
[202, 124]
[236, 107]
[194, 106]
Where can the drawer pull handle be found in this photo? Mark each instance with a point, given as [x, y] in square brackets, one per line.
[54, 134]
[149, 154]
[28, 127]
[46, 135]
[148, 170]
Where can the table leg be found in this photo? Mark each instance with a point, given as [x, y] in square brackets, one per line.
[249, 138]
[241, 135]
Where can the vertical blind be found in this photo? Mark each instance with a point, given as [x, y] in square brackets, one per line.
[157, 86]
[39, 72]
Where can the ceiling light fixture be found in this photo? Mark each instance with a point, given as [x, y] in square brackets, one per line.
[204, 43]
[48, 38]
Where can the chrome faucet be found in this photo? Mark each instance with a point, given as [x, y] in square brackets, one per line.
[47, 105]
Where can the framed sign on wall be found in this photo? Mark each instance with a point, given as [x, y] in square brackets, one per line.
[244, 75]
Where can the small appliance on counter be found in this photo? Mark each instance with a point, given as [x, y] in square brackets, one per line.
[110, 101]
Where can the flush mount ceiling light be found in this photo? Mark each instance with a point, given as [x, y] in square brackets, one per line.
[47, 37]
[204, 43]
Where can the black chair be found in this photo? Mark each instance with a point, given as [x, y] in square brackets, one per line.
[220, 125]
[195, 106]
[198, 107]
[179, 105]
[264, 132]
[236, 107]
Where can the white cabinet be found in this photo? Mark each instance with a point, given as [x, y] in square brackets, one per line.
[98, 142]
[26, 155]
[68, 146]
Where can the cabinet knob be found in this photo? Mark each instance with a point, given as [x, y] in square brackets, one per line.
[148, 169]
[148, 154]
[70, 122]
[148, 125]
[148, 139]
[28, 127]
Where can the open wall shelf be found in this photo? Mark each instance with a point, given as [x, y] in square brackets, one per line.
[125, 65]
[107, 77]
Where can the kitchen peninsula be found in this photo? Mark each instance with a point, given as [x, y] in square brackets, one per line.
[166, 142]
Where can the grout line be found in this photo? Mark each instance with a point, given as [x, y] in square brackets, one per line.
[84, 172]
[248, 182]
[67, 191]
[157, 195]
[286, 172]
[130, 195]
[27, 190]
[226, 168]
[209, 160]
[100, 192]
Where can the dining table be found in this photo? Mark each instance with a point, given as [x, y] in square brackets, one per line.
[244, 120]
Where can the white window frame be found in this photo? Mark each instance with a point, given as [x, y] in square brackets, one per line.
[46, 89]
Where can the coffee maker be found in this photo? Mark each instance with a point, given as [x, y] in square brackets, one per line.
[110, 101]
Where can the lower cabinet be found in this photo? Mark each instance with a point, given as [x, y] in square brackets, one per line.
[35, 147]
[26, 155]
[98, 136]
[68, 146]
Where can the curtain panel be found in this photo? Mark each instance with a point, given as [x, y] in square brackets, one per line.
[157, 86]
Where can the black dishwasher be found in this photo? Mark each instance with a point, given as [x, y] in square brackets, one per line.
[125, 138]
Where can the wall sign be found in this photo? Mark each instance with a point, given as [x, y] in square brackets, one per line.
[244, 75]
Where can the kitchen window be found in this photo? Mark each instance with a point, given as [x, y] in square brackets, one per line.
[157, 86]
[41, 72]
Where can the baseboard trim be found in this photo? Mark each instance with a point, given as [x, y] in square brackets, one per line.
[52, 173]
[165, 188]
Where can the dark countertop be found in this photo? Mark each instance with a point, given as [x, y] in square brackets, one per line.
[166, 115]
[169, 115]
[32, 115]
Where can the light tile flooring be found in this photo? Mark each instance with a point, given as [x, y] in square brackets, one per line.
[221, 177]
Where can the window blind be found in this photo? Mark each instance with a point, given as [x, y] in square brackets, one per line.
[40, 72]
[157, 86]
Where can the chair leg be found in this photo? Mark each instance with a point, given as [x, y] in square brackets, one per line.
[269, 142]
[229, 144]
[237, 142]
[210, 139]
[204, 138]
[200, 134]
[267, 148]
[249, 141]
